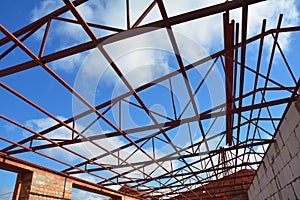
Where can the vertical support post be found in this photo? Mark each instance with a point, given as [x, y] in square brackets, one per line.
[228, 44]
[22, 186]
[42, 185]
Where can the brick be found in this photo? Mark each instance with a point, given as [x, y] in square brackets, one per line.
[43, 184]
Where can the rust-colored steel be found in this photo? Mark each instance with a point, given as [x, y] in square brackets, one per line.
[211, 157]
[228, 44]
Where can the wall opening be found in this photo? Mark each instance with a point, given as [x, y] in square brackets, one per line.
[7, 184]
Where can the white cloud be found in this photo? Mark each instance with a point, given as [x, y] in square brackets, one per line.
[44, 8]
[270, 10]
[133, 55]
[79, 195]
[89, 150]
[206, 32]
[69, 64]
[86, 177]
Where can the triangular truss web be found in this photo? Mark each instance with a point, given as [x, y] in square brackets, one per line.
[128, 94]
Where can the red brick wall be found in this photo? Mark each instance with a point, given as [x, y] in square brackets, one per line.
[42, 185]
[228, 188]
[22, 188]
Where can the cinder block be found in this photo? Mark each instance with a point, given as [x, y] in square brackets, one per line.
[279, 140]
[272, 152]
[288, 174]
[296, 187]
[280, 194]
[285, 131]
[293, 145]
[283, 194]
[265, 194]
[269, 174]
[272, 187]
[276, 196]
[257, 196]
[292, 117]
[276, 179]
[277, 149]
[263, 183]
[297, 105]
[251, 187]
[269, 190]
[285, 155]
[282, 180]
[260, 173]
[253, 191]
[278, 164]
[272, 197]
[255, 182]
[289, 192]
[267, 164]
[297, 133]
[270, 159]
[295, 166]
[250, 194]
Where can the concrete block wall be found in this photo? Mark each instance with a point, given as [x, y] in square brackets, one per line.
[279, 175]
[42, 185]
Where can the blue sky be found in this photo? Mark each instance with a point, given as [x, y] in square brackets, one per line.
[156, 59]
